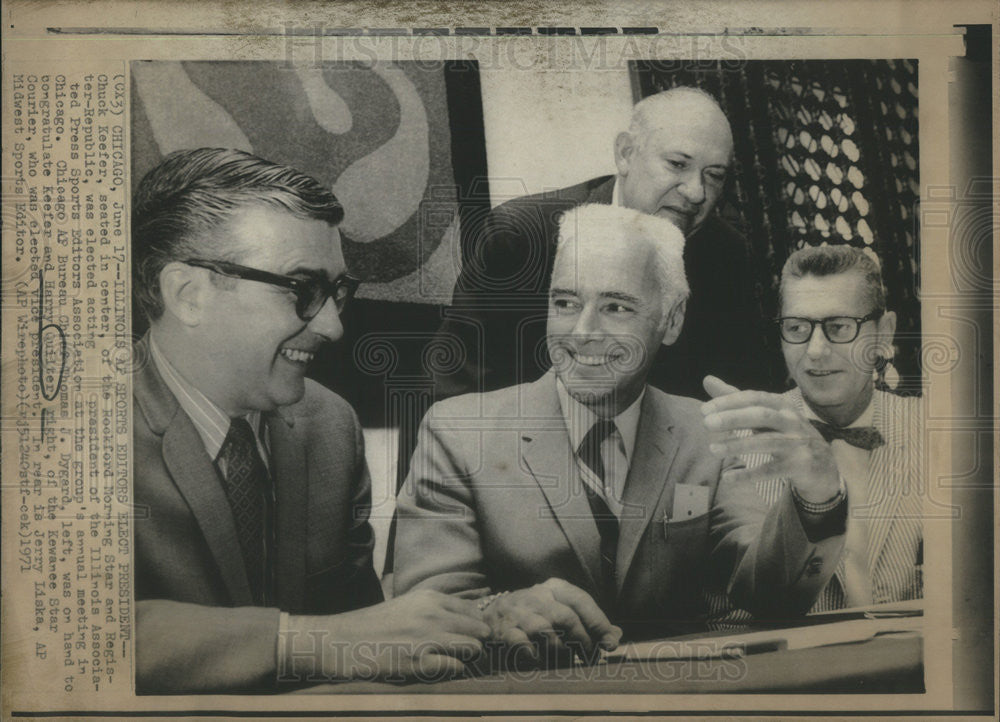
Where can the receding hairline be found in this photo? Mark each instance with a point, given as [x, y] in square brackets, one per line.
[819, 262]
[680, 97]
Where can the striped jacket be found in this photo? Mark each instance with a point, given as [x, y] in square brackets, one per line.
[896, 488]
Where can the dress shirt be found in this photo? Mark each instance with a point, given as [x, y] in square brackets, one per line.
[616, 450]
[852, 463]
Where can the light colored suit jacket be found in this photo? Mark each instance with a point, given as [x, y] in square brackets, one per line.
[895, 504]
[493, 502]
[196, 628]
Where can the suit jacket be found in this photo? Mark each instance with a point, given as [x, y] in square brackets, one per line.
[500, 303]
[196, 627]
[895, 504]
[493, 502]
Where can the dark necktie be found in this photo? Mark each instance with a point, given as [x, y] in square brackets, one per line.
[607, 522]
[247, 488]
[863, 437]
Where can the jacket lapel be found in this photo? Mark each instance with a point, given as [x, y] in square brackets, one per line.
[603, 191]
[291, 482]
[656, 446]
[193, 473]
[548, 455]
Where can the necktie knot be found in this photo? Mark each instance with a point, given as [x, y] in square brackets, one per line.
[239, 438]
[863, 437]
[590, 447]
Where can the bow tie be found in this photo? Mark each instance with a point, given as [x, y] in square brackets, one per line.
[863, 437]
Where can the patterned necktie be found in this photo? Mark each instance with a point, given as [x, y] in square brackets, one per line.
[247, 485]
[607, 522]
[863, 437]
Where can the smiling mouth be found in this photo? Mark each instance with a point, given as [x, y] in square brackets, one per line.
[594, 359]
[297, 356]
[820, 373]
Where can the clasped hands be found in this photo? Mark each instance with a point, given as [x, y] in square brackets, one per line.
[548, 624]
[430, 636]
[798, 451]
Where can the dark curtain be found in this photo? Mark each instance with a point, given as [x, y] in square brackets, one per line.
[826, 152]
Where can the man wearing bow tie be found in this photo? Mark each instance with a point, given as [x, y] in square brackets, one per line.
[834, 327]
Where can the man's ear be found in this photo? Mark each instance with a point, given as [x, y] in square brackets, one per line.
[624, 150]
[184, 292]
[674, 323]
[886, 332]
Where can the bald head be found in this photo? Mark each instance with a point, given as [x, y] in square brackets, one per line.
[673, 160]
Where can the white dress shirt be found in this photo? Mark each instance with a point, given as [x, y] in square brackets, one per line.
[616, 450]
[852, 463]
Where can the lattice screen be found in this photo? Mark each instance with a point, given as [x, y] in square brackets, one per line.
[826, 152]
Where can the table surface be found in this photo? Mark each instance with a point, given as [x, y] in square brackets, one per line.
[891, 663]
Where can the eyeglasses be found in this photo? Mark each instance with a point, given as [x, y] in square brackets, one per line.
[837, 329]
[310, 294]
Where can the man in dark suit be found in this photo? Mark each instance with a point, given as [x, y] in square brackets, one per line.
[587, 498]
[672, 162]
[254, 565]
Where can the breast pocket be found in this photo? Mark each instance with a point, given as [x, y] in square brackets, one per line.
[680, 553]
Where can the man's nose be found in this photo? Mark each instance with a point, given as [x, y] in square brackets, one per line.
[818, 344]
[327, 322]
[588, 323]
[693, 188]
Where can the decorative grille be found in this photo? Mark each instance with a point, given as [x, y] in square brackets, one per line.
[826, 152]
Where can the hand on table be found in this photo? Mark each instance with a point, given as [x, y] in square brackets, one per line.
[799, 453]
[549, 622]
[424, 634]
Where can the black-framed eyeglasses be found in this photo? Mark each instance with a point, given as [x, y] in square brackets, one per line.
[310, 293]
[837, 329]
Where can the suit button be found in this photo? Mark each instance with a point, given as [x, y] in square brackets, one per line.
[814, 567]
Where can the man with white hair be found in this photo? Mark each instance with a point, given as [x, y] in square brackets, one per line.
[583, 500]
[672, 162]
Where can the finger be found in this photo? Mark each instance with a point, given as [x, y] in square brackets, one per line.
[458, 646]
[575, 632]
[769, 442]
[611, 639]
[717, 387]
[437, 667]
[743, 399]
[517, 642]
[539, 627]
[764, 472]
[468, 607]
[585, 608]
[754, 417]
[467, 625]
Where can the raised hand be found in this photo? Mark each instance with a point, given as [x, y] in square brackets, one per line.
[798, 451]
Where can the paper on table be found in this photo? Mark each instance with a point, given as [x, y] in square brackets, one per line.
[738, 645]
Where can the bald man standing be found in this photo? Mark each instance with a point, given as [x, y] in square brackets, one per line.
[672, 162]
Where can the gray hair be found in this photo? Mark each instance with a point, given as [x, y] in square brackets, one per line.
[831, 261]
[616, 225]
[192, 192]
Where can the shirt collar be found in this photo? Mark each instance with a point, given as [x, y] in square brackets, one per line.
[616, 193]
[866, 418]
[211, 422]
[579, 419]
